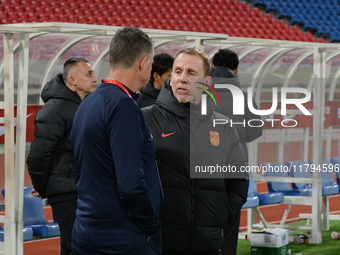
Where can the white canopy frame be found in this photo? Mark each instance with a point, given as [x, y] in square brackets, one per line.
[15, 153]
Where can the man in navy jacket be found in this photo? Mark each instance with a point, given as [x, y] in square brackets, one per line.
[116, 174]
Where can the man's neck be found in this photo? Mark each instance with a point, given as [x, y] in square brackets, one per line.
[74, 89]
[157, 85]
[125, 77]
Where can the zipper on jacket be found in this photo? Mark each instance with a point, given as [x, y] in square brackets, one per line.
[159, 179]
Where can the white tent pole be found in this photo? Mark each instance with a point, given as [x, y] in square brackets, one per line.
[10, 237]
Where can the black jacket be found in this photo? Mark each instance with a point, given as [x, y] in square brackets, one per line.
[148, 95]
[50, 161]
[194, 211]
[227, 76]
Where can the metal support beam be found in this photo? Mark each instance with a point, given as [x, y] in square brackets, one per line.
[21, 135]
[319, 74]
[199, 44]
[10, 236]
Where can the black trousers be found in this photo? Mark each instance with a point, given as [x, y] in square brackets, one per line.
[231, 237]
[65, 214]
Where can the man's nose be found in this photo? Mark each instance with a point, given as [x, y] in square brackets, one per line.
[184, 78]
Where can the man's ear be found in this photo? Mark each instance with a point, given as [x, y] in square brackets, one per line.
[236, 71]
[71, 83]
[170, 79]
[142, 62]
[156, 76]
[208, 80]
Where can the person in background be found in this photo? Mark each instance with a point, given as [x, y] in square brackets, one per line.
[161, 69]
[224, 65]
[50, 161]
[116, 174]
[194, 211]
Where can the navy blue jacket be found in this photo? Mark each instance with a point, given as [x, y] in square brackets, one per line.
[116, 177]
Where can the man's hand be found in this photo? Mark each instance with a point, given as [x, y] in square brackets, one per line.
[36, 193]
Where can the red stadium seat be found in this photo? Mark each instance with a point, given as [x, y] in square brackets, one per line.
[295, 29]
[219, 16]
[309, 35]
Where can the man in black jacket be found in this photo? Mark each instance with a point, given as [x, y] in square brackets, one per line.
[224, 71]
[161, 69]
[194, 211]
[50, 161]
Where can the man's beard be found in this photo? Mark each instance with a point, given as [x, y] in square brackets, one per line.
[184, 100]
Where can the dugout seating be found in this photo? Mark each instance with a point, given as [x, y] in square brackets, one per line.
[335, 161]
[265, 199]
[34, 216]
[27, 234]
[300, 169]
[300, 194]
[329, 186]
[283, 187]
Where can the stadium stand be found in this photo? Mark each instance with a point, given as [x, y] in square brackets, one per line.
[320, 17]
[231, 17]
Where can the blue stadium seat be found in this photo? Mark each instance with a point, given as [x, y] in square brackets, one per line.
[335, 36]
[300, 169]
[34, 216]
[271, 6]
[251, 202]
[310, 23]
[329, 186]
[281, 186]
[27, 235]
[27, 231]
[258, 1]
[269, 198]
[335, 161]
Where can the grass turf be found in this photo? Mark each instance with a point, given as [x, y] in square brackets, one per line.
[328, 246]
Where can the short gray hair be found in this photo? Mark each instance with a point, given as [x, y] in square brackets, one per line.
[127, 46]
[69, 64]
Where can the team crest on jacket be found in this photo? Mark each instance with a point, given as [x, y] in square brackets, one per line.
[214, 138]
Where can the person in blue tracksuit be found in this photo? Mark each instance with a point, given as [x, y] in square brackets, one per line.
[116, 174]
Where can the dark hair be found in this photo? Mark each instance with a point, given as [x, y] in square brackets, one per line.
[127, 46]
[161, 63]
[197, 52]
[227, 58]
[69, 64]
